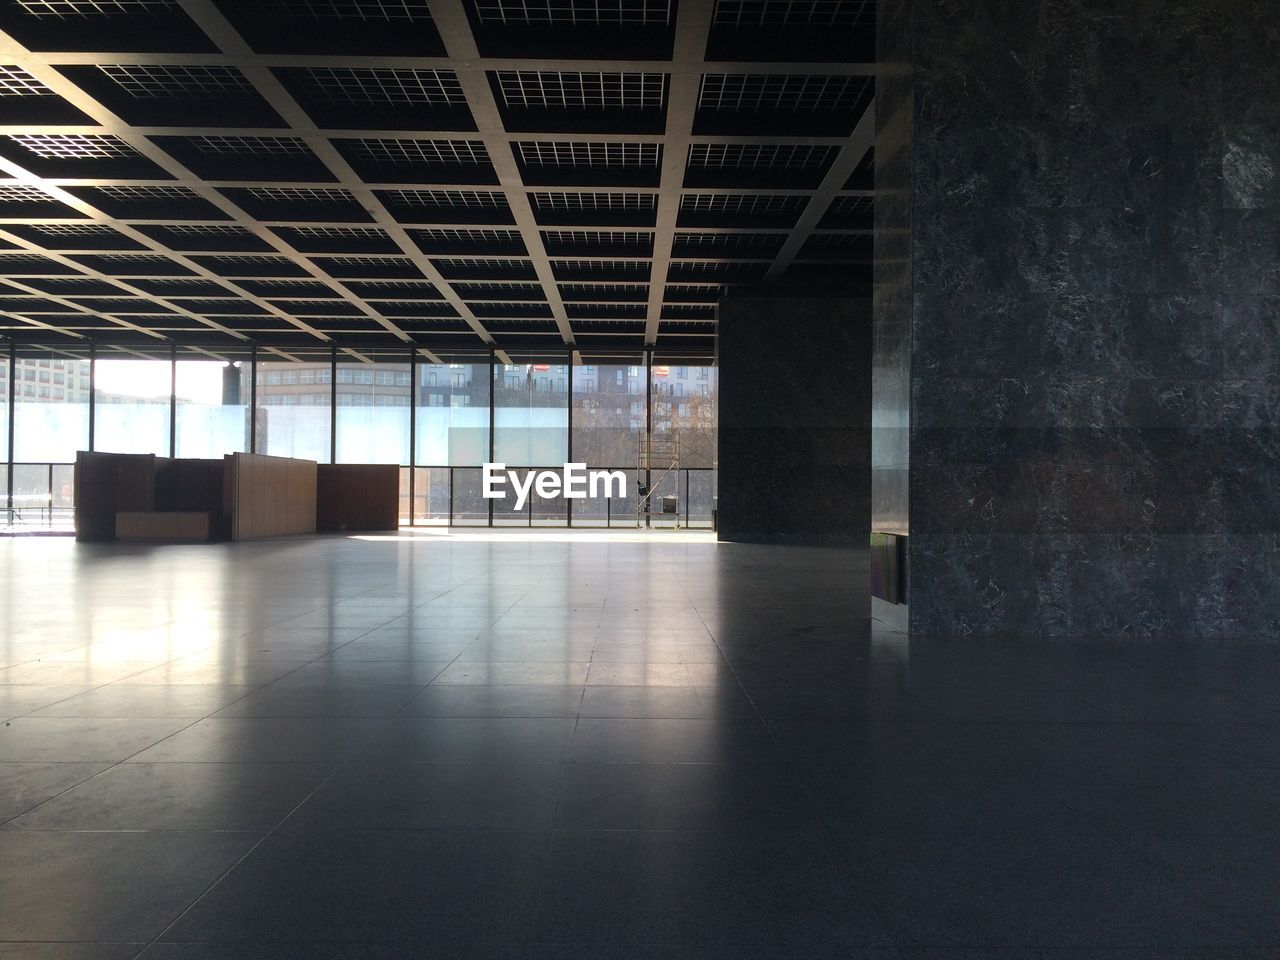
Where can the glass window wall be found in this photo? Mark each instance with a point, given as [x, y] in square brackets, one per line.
[293, 416]
[451, 437]
[51, 422]
[212, 406]
[439, 419]
[373, 398]
[131, 404]
[608, 425]
[531, 430]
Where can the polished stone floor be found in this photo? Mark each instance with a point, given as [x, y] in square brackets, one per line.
[595, 747]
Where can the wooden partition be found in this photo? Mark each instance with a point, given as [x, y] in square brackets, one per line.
[269, 496]
[107, 483]
[358, 496]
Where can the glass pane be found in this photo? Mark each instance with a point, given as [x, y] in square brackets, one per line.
[701, 497]
[470, 508]
[531, 412]
[591, 512]
[131, 405]
[213, 408]
[453, 414]
[294, 408]
[505, 513]
[684, 406]
[51, 409]
[608, 415]
[406, 507]
[431, 495]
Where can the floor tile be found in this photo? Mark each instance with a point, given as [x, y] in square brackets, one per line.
[148, 700]
[106, 886]
[475, 700]
[327, 700]
[24, 785]
[482, 739]
[672, 741]
[434, 796]
[287, 740]
[784, 890]
[75, 739]
[369, 885]
[180, 796]
[740, 797]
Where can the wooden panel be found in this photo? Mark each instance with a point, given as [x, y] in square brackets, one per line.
[107, 483]
[270, 496]
[168, 525]
[358, 496]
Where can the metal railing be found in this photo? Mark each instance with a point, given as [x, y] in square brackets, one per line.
[451, 495]
[42, 498]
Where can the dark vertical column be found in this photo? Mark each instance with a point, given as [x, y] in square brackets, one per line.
[794, 451]
[568, 504]
[413, 435]
[1094, 272]
[173, 399]
[492, 419]
[253, 399]
[333, 404]
[93, 388]
[648, 432]
[10, 412]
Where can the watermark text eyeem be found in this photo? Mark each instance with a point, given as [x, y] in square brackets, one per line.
[574, 482]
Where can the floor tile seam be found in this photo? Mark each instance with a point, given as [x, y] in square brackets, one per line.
[433, 681]
[268, 834]
[92, 686]
[400, 713]
[43, 659]
[788, 762]
[94, 776]
[45, 706]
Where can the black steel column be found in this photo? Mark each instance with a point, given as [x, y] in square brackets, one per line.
[648, 434]
[568, 504]
[93, 385]
[173, 400]
[492, 374]
[13, 375]
[413, 435]
[333, 404]
[253, 399]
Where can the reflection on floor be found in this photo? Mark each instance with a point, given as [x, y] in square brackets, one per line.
[516, 747]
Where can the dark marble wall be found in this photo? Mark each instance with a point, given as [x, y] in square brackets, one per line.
[1095, 410]
[795, 415]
